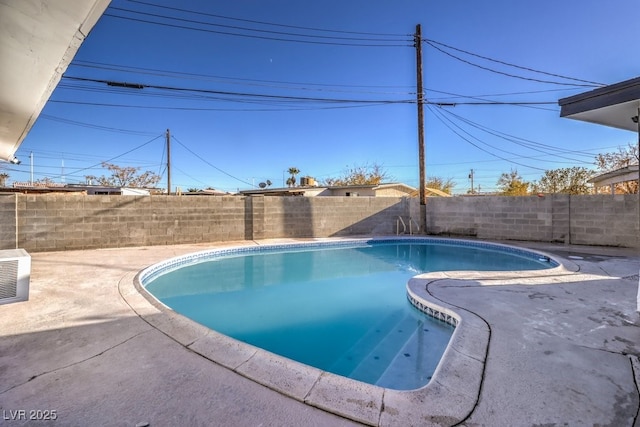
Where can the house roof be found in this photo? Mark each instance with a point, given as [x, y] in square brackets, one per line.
[627, 173]
[431, 191]
[297, 191]
[294, 191]
[612, 105]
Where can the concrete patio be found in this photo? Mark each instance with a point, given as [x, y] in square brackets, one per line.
[560, 351]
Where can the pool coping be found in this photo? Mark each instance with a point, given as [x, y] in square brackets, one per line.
[449, 397]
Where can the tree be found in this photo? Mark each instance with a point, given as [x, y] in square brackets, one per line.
[44, 182]
[564, 180]
[293, 171]
[512, 184]
[441, 184]
[608, 162]
[125, 176]
[360, 175]
[3, 179]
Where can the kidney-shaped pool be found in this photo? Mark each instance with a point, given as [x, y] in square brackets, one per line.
[340, 307]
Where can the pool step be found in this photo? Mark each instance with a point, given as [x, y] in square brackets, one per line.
[374, 364]
[367, 359]
[352, 357]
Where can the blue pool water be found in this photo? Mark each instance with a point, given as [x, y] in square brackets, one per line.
[341, 309]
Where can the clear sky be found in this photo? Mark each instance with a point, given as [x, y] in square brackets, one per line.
[249, 88]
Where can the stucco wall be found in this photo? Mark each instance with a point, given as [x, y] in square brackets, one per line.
[50, 222]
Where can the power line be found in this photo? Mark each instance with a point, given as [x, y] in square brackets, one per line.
[269, 23]
[155, 107]
[211, 164]
[535, 146]
[234, 27]
[590, 83]
[504, 73]
[93, 126]
[441, 118]
[254, 97]
[118, 156]
[247, 94]
[321, 87]
[253, 36]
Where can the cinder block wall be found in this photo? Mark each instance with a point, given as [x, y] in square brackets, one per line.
[610, 219]
[8, 221]
[504, 218]
[603, 220]
[332, 216]
[52, 222]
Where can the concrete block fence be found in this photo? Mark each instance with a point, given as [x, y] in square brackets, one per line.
[54, 222]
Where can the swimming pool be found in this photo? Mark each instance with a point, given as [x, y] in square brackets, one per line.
[342, 308]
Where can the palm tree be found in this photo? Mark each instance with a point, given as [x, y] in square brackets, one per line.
[293, 171]
[3, 179]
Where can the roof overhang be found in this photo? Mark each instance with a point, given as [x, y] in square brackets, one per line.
[38, 40]
[628, 173]
[612, 105]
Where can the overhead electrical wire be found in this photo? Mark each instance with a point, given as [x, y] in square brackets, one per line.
[444, 121]
[244, 97]
[404, 37]
[254, 97]
[118, 156]
[234, 27]
[267, 23]
[505, 73]
[93, 126]
[588, 82]
[305, 86]
[246, 94]
[187, 175]
[534, 146]
[317, 39]
[210, 164]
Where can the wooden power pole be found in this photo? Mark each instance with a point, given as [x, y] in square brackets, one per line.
[420, 100]
[168, 162]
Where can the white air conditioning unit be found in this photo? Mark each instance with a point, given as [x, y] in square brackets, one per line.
[15, 273]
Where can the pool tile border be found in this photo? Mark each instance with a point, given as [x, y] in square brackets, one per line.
[173, 263]
[448, 398]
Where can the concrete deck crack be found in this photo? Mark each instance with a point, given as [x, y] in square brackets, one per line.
[635, 369]
[74, 363]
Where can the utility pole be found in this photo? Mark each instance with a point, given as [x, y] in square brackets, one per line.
[471, 178]
[420, 100]
[168, 162]
[31, 162]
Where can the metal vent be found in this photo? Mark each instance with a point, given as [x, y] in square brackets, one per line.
[8, 279]
[15, 274]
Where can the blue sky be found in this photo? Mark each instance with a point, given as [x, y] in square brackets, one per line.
[327, 100]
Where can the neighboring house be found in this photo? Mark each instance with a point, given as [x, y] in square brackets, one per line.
[111, 191]
[431, 192]
[207, 192]
[39, 187]
[618, 176]
[372, 190]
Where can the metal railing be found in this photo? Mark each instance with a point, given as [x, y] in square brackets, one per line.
[404, 226]
[400, 221]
